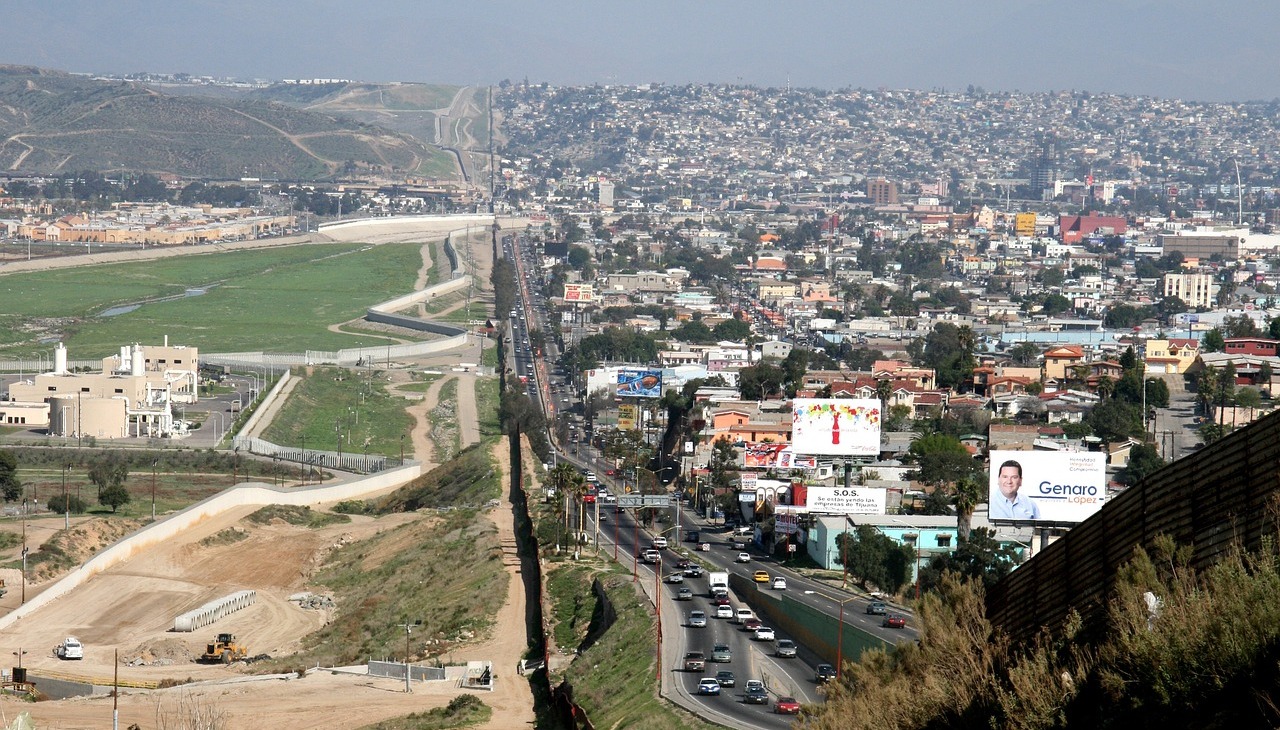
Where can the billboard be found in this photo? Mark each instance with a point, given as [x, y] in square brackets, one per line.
[628, 417]
[788, 459]
[835, 426]
[578, 293]
[852, 501]
[639, 384]
[762, 455]
[1046, 486]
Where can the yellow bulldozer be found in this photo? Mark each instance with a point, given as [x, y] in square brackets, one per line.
[224, 649]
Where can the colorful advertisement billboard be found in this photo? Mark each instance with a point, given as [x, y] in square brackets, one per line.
[852, 501]
[762, 456]
[578, 293]
[1046, 486]
[835, 426]
[639, 384]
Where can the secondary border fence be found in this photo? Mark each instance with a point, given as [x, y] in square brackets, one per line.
[1207, 501]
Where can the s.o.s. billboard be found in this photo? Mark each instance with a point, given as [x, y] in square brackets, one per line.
[835, 426]
[1046, 486]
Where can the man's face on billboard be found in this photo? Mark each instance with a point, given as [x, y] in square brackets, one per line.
[1010, 481]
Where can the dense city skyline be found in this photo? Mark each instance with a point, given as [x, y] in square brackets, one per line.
[1123, 47]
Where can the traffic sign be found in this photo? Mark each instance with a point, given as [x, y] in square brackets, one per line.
[644, 500]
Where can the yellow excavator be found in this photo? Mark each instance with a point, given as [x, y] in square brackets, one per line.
[224, 649]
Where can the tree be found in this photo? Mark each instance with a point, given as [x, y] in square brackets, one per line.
[733, 330]
[981, 558]
[1025, 353]
[757, 382]
[941, 459]
[1213, 341]
[10, 486]
[1115, 420]
[114, 496]
[874, 558]
[107, 471]
[1241, 325]
[948, 349]
[71, 503]
[1157, 393]
[693, 332]
[1143, 459]
[1055, 304]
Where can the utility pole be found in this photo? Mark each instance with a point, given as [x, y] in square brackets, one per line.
[408, 628]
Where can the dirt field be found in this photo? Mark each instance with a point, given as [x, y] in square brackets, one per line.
[131, 607]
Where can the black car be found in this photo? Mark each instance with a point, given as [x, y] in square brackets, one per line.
[824, 673]
[725, 678]
[756, 694]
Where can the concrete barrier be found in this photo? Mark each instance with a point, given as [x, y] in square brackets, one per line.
[198, 618]
[242, 495]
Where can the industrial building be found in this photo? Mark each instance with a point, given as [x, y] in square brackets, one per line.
[132, 397]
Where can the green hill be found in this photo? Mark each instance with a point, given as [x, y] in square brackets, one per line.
[56, 122]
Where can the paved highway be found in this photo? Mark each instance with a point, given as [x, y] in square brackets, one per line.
[617, 533]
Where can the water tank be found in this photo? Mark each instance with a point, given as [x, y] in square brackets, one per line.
[136, 368]
[60, 360]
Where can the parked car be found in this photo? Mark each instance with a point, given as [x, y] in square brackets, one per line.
[760, 576]
[877, 608]
[695, 661]
[824, 673]
[764, 633]
[697, 619]
[755, 693]
[779, 584]
[725, 678]
[708, 686]
[787, 706]
[785, 648]
[675, 578]
[743, 558]
[894, 621]
[721, 653]
[684, 593]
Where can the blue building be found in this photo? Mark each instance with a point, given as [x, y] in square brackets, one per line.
[928, 535]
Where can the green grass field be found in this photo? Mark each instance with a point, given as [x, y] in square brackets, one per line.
[279, 300]
[333, 400]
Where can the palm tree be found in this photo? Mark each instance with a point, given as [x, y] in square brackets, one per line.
[968, 493]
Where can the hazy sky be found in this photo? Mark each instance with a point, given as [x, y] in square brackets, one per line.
[1224, 50]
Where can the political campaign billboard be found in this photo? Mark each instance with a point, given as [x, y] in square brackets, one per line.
[639, 384]
[761, 455]
[851, 501]
[835, 426]
[1046, 486]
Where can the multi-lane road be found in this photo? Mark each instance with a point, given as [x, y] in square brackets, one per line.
[617, 532]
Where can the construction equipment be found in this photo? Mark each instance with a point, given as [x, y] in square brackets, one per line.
[225, 650]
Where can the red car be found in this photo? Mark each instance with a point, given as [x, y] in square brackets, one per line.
[894, 622]
[611, 472]
[787, 706]
[720, 601]
[751, 624]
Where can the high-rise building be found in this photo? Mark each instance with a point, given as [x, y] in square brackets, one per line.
[1044, 168]
[882, 192]
[605, 194]
[1195, 290]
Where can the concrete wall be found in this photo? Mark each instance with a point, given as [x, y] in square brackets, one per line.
[248, 494]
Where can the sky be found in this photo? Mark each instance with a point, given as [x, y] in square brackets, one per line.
[1207, 51]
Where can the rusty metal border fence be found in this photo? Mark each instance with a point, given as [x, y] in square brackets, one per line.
[1206, 501]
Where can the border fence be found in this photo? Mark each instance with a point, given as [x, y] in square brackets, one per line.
[1206, 501]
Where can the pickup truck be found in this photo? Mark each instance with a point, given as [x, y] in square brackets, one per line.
[70, 648]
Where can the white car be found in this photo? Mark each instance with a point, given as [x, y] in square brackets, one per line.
[743, 558]
[779, 584]
[764, 633]
[675, 577]
[724, 612]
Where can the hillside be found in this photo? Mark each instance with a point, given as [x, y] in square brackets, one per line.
[56, 122]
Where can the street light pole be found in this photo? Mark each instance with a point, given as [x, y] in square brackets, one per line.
[66, 504]
[154, 462]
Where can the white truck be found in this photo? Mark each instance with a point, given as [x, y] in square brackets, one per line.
[70, 648]
[718, 584]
